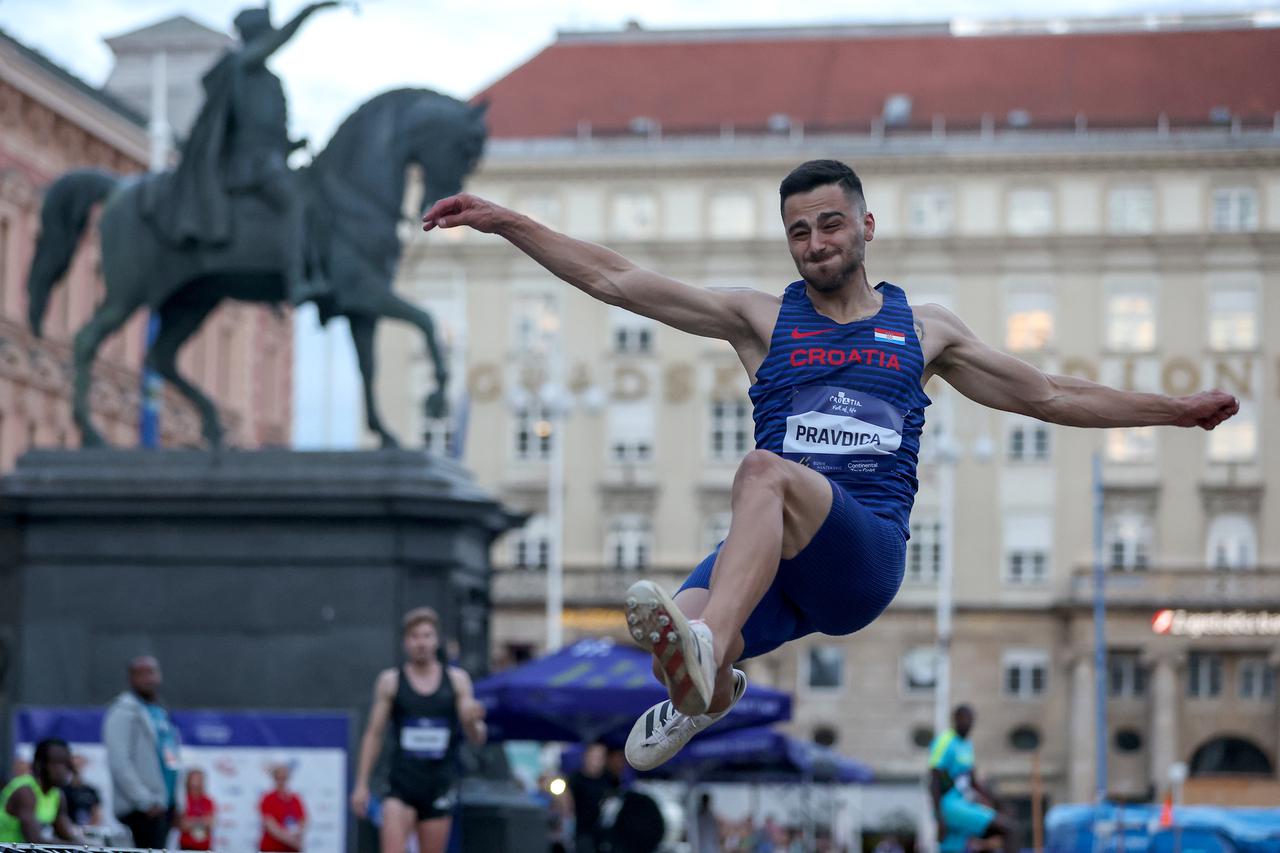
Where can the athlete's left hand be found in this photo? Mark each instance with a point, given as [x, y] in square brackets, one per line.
[471, 711]
[1207, 409]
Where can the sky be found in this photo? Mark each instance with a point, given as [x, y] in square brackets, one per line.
[344, 55]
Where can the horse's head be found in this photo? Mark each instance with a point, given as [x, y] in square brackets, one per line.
[445, 137]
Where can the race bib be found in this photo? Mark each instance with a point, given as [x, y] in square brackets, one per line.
[833, 431]
[425, 737]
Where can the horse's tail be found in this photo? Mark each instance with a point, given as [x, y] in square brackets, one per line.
[63, 217]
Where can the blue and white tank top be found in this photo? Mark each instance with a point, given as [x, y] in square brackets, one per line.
[845, 399]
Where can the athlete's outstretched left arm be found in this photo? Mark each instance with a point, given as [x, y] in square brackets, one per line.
[470, 711]
[1000, 381]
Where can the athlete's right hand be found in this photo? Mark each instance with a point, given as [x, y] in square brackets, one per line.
[360, 801]
[464, 209]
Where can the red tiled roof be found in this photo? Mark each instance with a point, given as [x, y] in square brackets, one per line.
[693, 85]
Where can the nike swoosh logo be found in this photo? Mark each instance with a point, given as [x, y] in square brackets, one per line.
[796, 334]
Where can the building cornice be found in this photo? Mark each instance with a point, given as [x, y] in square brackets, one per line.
[72, 104]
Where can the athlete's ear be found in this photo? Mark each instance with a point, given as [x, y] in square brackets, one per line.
[868, 226]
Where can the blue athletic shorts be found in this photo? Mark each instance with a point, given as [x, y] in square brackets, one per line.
[842, 580]
[964, 819]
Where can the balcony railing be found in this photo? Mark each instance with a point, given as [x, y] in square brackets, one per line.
[1257, 588]
[583, 587]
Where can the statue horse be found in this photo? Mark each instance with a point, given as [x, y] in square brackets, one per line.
[355, 192]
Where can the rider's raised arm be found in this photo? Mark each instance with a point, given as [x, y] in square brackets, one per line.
[604, 274]
[1000, 381]
[259, 50]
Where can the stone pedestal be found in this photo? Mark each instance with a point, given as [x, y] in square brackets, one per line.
[265, 579]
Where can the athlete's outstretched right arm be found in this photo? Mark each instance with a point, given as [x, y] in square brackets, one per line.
[384, 692]
[603, 273]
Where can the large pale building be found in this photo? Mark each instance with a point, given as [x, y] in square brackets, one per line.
[52, 122]
[1100, 198]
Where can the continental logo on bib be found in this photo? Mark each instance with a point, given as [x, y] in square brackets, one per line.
[833, 430]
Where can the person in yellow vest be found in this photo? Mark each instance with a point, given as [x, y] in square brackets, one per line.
[32, 808]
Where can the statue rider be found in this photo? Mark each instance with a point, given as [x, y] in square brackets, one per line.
[239, 145]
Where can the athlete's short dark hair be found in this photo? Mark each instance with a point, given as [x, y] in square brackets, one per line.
[41, 756]
[819, 173]
[419, 616]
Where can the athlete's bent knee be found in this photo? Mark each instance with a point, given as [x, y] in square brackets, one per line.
[760, 469]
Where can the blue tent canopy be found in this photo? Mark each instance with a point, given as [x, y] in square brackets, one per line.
[757, 754]
[760, 755]
[595, 690]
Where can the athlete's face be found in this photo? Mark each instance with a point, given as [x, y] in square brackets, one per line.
[827, 233]
[56, 769]
[421, 643]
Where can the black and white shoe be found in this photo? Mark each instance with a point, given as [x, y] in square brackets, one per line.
[683, 648]
[662, 731]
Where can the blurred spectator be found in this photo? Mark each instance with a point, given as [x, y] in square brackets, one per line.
[559, 811]
[889, 844]
[142, 754]
[589, 785]
[708, 827]
[32, 808]
[19, 767]
[84, 804]
[198, 813]
[284, 819]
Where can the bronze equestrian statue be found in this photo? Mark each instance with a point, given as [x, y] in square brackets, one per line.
[232, 221]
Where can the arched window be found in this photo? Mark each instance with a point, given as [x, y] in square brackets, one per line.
[1230, 755]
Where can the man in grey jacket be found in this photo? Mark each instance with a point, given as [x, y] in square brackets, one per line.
[142, 754]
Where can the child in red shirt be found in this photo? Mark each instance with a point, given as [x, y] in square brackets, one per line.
[284, 820]
[196, 822]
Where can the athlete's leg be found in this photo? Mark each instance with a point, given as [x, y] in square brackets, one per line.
[777, 508]
[692, 601]
[433, 834]
[398, 819]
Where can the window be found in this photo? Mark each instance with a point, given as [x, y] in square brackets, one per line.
[1128, 541]
[1233, 319]
[1029, 321]
[733, 216]
[1030, 211]
[1131, 445]
[1131, 210]
[920, 671]
[1028, 440]
[1257, 678]
[930, 212]
[533, 430]
[531, 545]
[1131, 321]
[824, 669]
[534, 321]
[715, 531]
[1232, 542]
[1028, 539]
[630, 333]
[1236, 440]
[1204, 675]
[731, 429]
[634, 215]
[630, 431]
[1026, 673]
[542, 207]
[1126, 676]
[437, 435]
[1234, 209]
[629, 543]
[924, 552]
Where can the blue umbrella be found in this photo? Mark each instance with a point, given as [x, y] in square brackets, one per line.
[760, 755]
[595, 690]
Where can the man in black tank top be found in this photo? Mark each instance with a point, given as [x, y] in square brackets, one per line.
[430, 706]
[817, 542]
